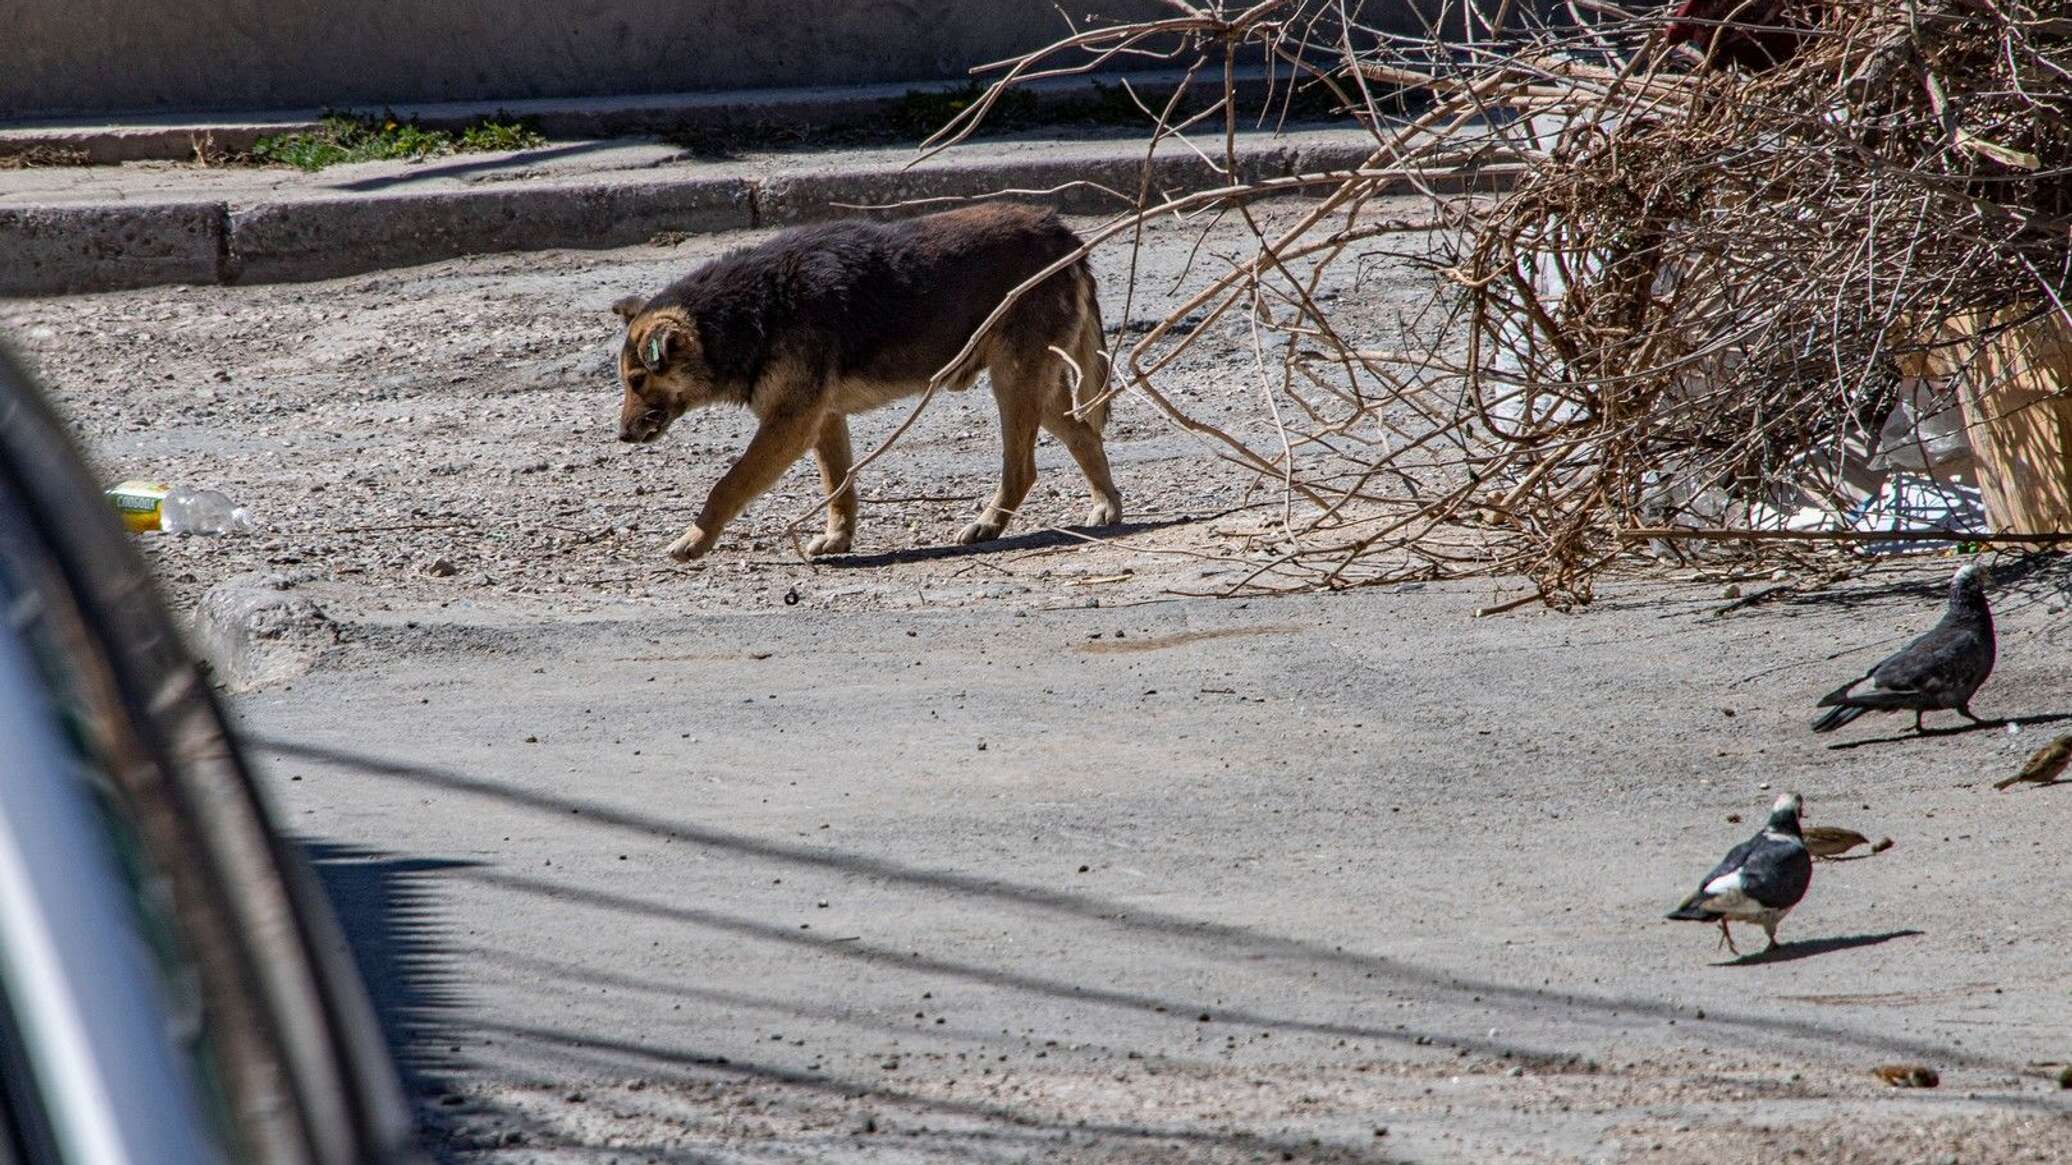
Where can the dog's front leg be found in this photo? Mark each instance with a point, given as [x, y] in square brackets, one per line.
[778, 443]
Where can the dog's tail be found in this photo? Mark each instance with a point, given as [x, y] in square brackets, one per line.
[1087, 347]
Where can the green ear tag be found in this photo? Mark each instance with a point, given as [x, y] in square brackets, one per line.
[654, 351]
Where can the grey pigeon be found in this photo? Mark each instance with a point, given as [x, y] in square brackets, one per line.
[1759, 881]
[1938, 670]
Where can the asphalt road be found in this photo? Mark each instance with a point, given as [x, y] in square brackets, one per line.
[1355, 878]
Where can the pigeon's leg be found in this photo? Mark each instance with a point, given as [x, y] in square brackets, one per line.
[1964, 710]
[1726, 938]
[1917, 720]
[1770, 932]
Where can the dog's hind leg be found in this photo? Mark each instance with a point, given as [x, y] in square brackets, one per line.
[1075, 410]
[836, 459]
[1021, 409]
[1083, 441]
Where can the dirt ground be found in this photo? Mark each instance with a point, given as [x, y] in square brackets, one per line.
[1021, 853]
[445, 435]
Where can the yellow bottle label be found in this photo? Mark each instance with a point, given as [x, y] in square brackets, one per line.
[140, 503]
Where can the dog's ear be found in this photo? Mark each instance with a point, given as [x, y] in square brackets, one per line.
[629, 307]
[661, 344]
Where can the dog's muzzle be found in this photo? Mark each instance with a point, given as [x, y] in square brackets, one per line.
[645, 427]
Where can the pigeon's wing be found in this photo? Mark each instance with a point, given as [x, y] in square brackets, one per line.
[1940, 668]
[1775, 874]
[1735, 859]
[1721, 883]
[1942, 662]
[1846, 694]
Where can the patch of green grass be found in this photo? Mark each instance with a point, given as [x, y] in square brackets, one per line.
[920, 113]
[341, 138]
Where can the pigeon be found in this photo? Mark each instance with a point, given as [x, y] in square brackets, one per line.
[1939, 670]
[1759, 881]
[2043, 765]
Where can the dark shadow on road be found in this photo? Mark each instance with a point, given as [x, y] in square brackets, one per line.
[1958, 730]
[1004, 1123]
[456, 169]
[1181, 1010]
[1223, 940]
[1033, 540]
[386, 905]
[1808, 948]
[2018, 579]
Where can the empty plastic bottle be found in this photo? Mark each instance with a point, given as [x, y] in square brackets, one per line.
[202, 511]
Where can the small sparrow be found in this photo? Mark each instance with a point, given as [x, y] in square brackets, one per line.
[2043, 765]
[1827, 841]
[1907, 1075]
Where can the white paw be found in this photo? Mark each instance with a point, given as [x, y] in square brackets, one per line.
[1104, 513]
[829, 544]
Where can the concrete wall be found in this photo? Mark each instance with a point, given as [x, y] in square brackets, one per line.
[84, 57]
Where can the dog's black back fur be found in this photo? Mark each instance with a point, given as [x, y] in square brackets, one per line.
[875, 300]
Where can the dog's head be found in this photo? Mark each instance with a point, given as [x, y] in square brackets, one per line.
[661, 367]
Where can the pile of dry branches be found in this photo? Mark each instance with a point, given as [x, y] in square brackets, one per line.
[1727, 227]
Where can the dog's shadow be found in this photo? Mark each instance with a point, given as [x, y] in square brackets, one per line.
[1808, 948]
[1033, 540]
[1959, 730]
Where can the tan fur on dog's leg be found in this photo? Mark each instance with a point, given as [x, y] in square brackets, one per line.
[1083, 380]
[1019, 413]
[1083, 441]
[836, 458]
[777, 445]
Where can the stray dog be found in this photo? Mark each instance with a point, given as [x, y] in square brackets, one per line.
[824, 321]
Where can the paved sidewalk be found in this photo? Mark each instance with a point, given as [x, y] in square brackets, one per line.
[87, 229]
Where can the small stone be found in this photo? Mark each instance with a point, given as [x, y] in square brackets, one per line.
[1730, 591]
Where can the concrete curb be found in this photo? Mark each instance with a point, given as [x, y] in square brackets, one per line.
[57, 250]
[292, 242]
[253, 631]
[54, 249]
